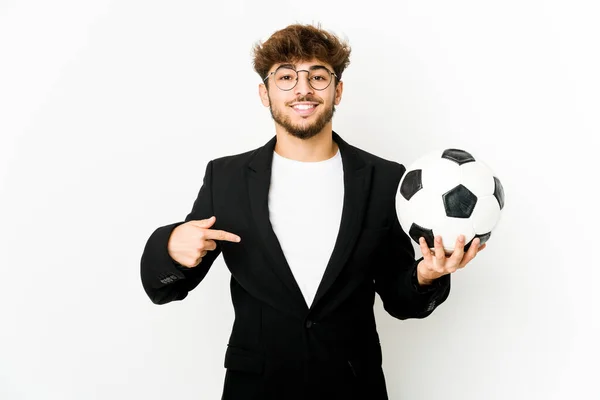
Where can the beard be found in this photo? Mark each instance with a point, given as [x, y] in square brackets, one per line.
[304, 131]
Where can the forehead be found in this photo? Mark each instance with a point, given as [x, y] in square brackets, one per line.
[302, 64]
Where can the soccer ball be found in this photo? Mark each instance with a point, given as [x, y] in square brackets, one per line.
[448, 193]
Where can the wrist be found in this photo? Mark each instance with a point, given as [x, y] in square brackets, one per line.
[422, 279]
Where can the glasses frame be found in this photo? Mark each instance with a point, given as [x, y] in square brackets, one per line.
[331, 73]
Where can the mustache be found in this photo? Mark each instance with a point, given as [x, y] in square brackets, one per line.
[306, 98]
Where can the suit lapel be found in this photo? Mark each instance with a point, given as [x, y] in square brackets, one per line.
[357, 180]
[259, 180]
[357, 183]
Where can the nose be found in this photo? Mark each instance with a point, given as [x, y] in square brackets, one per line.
[302, 86]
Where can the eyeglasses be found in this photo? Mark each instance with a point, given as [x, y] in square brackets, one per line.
[286, 77]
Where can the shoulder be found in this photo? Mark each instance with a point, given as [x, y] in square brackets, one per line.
[233, 160]
[381, 166]
[239, 162]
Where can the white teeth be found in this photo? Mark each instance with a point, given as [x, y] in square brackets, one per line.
[304, 106]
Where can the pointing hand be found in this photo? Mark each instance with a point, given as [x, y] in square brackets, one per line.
[191, 241]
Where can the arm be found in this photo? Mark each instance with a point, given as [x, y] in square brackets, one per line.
[163, 279]
[396, 278]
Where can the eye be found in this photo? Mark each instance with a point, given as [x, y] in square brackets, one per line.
[286, 77]
[319, 77]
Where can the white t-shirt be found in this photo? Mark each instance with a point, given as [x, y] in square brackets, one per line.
[305, 210]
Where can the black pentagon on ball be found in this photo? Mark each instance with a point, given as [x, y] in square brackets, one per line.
[458, 156]
[417, 231]
[459, 202]
[411, 184]
[482, 239]
[499, 192]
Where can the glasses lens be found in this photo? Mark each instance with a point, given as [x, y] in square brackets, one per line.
[319, 78]
[285, 78]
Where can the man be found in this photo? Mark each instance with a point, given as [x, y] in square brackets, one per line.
[307, 226]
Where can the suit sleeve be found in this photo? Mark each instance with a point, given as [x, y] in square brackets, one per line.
[396, 280]
[163, 279]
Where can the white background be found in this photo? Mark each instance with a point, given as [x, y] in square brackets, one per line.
[110, 110]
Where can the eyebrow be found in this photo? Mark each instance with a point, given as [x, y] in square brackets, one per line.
[311, 68]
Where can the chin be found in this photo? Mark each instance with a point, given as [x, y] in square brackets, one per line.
[306, 127]
[301, 132]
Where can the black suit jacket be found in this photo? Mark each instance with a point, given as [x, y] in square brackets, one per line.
[280, 348]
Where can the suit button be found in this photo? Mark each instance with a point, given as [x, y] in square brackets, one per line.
[309, 323]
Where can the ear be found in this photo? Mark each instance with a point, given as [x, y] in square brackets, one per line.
[264, 94]
[339, 88]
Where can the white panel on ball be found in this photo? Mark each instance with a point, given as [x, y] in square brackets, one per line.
[426, 208]
[486, 214]
[478, 178]
[440, 175]
[404, 215]
[449, 228]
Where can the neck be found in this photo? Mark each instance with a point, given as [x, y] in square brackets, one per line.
[318, 148]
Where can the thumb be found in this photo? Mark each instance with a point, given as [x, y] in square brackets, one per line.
[204, 223]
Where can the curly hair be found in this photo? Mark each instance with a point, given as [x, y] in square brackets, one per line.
[298, 43]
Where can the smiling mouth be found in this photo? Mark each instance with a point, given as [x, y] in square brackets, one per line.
[304, 109]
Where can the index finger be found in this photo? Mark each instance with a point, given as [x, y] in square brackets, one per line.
[425, 249]
[459, 250]
[216, 234]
